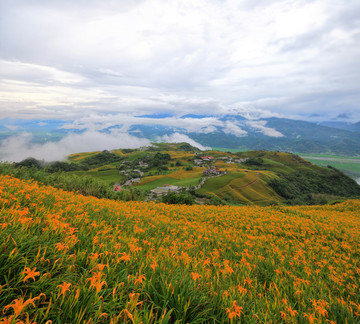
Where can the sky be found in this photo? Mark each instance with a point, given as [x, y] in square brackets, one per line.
[92, 59]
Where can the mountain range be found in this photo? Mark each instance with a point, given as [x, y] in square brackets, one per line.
[266, 134]
[221, 131]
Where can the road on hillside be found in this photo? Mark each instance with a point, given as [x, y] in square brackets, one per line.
[332, 159]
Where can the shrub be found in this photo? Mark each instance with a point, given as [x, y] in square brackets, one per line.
[182, 198]
[30, 163]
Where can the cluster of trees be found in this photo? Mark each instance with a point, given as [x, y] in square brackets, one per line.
[100, 159]
[184, 198]
[62, 166]
[160, 160]
[52, 167]
[313, 187]
[156, 161]
[257, 161]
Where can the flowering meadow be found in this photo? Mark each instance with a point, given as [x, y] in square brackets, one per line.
[67, 258]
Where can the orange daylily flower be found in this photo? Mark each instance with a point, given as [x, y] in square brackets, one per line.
[139, 279]
[20, 304]
[96, 282]
[125, 257]
[311, 318]
[154, 265]
[64, 288]
[310, 247]
[291, 311]
[235, 311]
[195, 276]
[30, 274]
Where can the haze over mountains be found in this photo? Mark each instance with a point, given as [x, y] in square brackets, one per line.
[54, 139]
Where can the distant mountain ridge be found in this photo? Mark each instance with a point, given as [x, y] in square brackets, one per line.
[265, 134]
[353, 127]
[226, 131]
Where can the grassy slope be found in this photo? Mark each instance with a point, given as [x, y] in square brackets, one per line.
[109, 176]
[259, 192]
[245, 187]
[80, 156]
[96, 260]
[178, 177]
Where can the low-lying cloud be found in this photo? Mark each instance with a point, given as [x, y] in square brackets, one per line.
[179, 138]
[17, 148]
[113, 131]
[260, 126]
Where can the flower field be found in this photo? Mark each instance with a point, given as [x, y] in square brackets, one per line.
[67, 258]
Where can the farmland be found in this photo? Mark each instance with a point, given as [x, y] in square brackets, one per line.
[71, 258]
[245, 186]
[349, 165]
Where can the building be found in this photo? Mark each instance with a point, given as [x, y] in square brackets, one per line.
[166, 189]
[212, 171]
[207, 158]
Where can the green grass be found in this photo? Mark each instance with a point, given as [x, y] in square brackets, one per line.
[80, 156]
[258, 192]
[276, 166]
[109, 176]
[247, 187]
[214, 184]
[137, 155]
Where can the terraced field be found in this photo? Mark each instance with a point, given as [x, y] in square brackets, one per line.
[244, 186]
[177, 178]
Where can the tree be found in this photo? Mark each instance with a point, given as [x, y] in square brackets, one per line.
[182, 198]
[30, 163]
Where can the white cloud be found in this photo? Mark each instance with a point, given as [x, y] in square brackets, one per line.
[101, 122]
[17, 148]
[37, 73]
[61, 58]
[232, 128]
[179, 138]
[260, 125]
[13, 127]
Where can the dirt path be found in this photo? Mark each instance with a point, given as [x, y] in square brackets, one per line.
[252, 182]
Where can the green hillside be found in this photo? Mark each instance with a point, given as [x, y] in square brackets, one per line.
[212, 177]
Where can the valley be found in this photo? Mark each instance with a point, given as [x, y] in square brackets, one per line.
[348, 165]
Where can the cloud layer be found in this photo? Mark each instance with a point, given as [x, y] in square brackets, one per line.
[99, 132]
[66, 59]
[17, 148]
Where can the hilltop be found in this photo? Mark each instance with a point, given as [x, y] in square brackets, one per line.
[181, 173]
